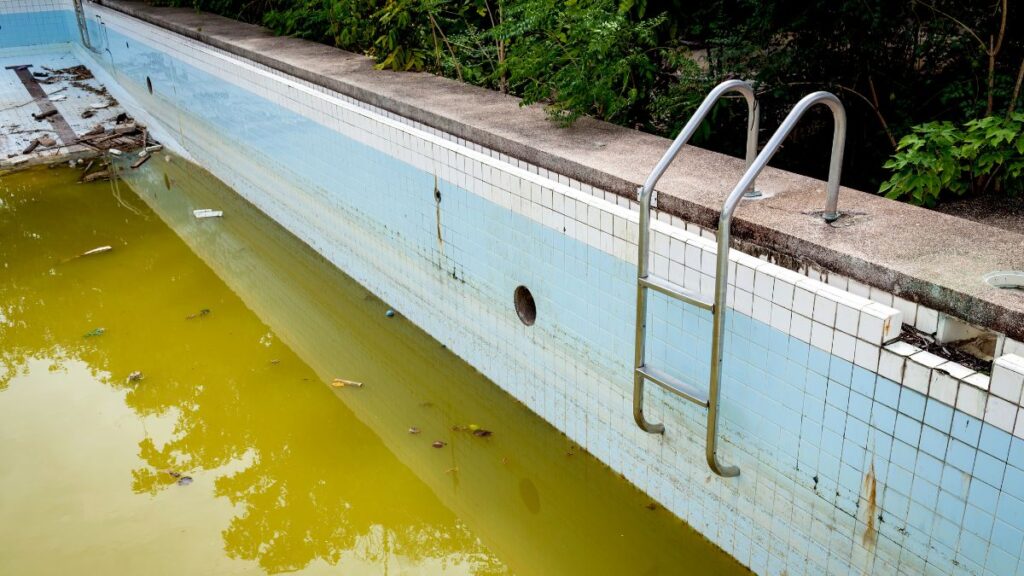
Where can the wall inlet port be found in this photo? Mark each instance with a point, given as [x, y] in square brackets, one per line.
[526, 308]
[1006, 279]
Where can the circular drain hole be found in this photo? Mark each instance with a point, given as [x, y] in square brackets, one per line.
[149, 84]
[1006, 279]
[526, 308]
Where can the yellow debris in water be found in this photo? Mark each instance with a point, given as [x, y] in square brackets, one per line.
[342, 383]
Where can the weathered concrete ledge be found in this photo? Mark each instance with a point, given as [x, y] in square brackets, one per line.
[935, 259]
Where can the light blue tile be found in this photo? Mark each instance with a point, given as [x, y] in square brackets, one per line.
[895, 505]
[903, 454]
[994, 441]
[924, 492]
[961, 455]
[1007, 538]
[838, 395]
[835, 419]
[954, 481]
[920, 518]
[856, 432]
[1013, 484]
[883, 418]
[982, 495]
[978, 522]
[817, 385]
[928, 468]
[863, 381]
[1000, 563]
[912, 404]
[840, 371]
[938, 415]
[951, 509]
[933, 442]
[832, 443]
[1016, 452]
[973, 548]
[883, 444]
[887, 392]
[989, 469]
[900, 479]
[1010, 509]
[860, 406]
[966, 428]
[908, 430]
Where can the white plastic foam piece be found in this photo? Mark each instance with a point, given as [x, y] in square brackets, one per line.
[207, 213]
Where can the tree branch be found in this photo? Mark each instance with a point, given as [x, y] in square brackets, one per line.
[1016, 90]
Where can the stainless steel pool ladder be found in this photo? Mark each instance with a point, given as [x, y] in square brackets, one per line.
[645, 281]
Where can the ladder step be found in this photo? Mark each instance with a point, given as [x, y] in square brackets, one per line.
[673, 385]
[676, 291]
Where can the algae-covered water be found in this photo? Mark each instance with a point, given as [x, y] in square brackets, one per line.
[167, 407]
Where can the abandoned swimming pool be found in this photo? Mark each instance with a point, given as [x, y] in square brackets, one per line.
[516, 247]
[167, 406]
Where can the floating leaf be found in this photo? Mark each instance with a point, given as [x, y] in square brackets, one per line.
[481, 433]
[199, 314]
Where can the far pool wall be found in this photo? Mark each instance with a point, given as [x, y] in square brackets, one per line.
[35, 22]
[854, 458]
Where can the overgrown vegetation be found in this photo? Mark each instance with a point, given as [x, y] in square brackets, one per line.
[930, 88]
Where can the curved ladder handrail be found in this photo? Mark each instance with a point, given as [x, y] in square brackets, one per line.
[645, 194]
[725, 220]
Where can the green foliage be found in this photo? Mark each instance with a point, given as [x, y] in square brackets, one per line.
[937, 158]
[921, 69]
[581, 57]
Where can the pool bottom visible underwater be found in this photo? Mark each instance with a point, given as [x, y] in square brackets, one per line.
[169, 406]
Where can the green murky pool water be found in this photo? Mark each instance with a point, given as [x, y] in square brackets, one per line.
[229, 451]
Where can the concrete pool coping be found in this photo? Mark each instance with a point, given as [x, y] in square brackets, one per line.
[928, 257]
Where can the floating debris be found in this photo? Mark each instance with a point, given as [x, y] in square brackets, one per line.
[342, 383]
[651, 506]
[275, 362]
[207, 213]
[414, 430]
[182, 479]
[98, 175]
[439, 444]
[140, 161]
[134, 377]
[472, 429]
[98, 250]
[200, 314]
[389, 313]
[95, 332]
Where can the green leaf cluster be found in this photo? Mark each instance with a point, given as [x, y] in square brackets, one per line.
[938, 159]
